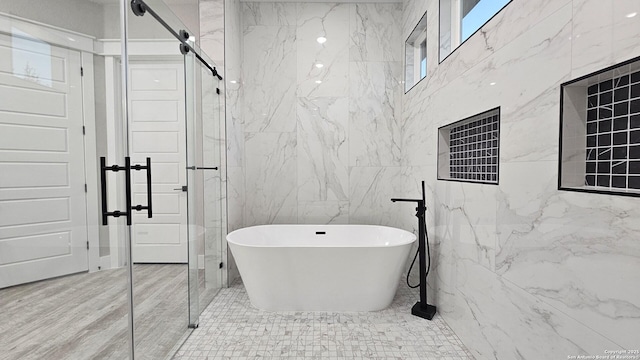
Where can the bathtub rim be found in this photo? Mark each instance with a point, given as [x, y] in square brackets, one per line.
[413, 237]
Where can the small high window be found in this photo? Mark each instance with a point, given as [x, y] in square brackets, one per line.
[459, 19]
[415, 64]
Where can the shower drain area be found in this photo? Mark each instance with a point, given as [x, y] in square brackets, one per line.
[230, 328]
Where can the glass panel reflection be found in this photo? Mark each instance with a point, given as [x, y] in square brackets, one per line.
[63, 277]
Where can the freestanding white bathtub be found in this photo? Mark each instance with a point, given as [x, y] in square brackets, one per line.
[320, 267]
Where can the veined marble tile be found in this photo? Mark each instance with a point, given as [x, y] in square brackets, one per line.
[412, 12]
[235, 213]
[471, 218]
[577, 252]
[212, 29]
[268, 13]
[626, 30]
[504, 29]
[371, 190]
[233, 36]
[332, 22]
[530, 132]
[498, 320]
[375, 32]
[420, 132]
[529, 116]
[235, 197]
[269, 79]
[323, 212]
[591, 40]
[234, 128]
[325, 14]
[270, 183]
[374, 113]
[323, 153]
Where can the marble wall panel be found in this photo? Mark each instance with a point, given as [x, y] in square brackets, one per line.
[574, 251]
[323, 149]
[626, 30]
[268, 72]
[591, 39]
[270, 181]
[268, 14]
[371, 190]
[330, 21]
[562, 264]
[498, 320]
[212, 32]
[336, 101]
[374, 31]
[323, 212]
[374, 115]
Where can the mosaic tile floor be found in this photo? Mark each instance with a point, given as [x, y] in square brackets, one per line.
[230, 328]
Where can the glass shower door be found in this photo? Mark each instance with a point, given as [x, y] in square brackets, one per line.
[205, 185]
[63, 277]
[156, 130]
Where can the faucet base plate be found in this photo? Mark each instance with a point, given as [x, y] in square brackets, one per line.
[426, 312]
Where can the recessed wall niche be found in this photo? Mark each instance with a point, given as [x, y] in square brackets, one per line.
[600, 131]
[468, 150]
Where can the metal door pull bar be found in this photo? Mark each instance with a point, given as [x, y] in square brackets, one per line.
[201, 168]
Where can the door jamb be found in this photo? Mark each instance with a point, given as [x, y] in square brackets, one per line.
[90, 162]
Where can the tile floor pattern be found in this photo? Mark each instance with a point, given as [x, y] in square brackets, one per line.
[230, 328]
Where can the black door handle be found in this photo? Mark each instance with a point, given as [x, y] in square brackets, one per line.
[149, 206]
[127, 170]
[103, 190]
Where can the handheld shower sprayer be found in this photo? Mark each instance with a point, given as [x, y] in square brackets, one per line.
[421, 308]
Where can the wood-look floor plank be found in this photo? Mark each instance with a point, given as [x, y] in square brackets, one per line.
[85, 316]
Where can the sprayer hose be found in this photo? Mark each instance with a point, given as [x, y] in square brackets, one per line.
[416, 256]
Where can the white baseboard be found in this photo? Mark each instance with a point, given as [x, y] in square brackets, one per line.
[105, 262]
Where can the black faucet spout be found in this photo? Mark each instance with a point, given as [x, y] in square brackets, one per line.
[406, 200]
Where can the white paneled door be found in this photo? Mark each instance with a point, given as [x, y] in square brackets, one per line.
[157, 130]
[43, 225]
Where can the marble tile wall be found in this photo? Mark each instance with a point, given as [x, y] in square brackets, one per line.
[522, 270]
[322, 144]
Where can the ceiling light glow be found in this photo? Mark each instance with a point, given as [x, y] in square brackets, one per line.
[630, 15]
[321, 40]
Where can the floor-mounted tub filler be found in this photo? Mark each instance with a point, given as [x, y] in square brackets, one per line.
[320, 267]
